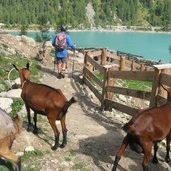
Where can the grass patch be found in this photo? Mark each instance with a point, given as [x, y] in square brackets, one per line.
[80, 167]
[132, 84]
[100, 76]
[31, 154]
[16, 106]
[6, 64]
[30, 160]
[71, 154]
[138, 85]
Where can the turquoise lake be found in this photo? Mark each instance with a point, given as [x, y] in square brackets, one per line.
[154, 46]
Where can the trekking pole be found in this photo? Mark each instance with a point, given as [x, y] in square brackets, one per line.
[54, 64]
[73, 64]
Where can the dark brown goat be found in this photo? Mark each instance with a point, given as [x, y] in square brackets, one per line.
[147, 127]
[168, 138]
[44, 100]
[9, 128]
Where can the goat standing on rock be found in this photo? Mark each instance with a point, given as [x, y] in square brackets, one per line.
[44, 100]
[147, 127]
[9, 127]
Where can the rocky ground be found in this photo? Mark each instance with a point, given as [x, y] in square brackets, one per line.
[94, 136]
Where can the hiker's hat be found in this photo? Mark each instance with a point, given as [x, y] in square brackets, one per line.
[63, 28]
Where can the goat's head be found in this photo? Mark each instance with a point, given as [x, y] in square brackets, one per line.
[24, 73]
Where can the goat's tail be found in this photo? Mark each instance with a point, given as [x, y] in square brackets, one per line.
[132, 139]
[68, 104]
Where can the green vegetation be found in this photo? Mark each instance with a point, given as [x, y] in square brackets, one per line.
[132, 84]
[31, 154]
[6, 165]
[30, 158]
[138, 85]
[6, 64]
[146, 13]
[80, 167]
[16, 106]
[71, 154]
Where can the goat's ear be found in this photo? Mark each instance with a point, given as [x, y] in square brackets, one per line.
[27, 65]
[15, 67]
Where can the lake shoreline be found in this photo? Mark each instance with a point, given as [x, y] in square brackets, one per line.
[121, 29]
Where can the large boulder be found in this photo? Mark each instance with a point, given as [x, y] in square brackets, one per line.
[14, 93]
[28, 41]
[5, 104]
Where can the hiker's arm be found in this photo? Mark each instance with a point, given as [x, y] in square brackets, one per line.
[53, 40]
[70, 43]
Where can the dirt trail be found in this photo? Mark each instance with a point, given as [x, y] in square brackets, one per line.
[93, 136]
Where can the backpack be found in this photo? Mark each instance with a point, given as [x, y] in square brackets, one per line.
[60, 41]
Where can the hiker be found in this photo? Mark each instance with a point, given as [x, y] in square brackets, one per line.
[60, 42]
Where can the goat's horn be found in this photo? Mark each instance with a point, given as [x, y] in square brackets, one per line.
[15, 67]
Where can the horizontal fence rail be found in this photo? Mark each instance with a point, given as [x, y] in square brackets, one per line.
[112, 66]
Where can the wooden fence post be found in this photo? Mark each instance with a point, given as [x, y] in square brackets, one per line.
[85, 64]
[122, 63]
[103, 57]
[142, 67]
[104, 89]
[133, 66]
[107, 82]
[161, 91]
[155, 88]
[110, 82]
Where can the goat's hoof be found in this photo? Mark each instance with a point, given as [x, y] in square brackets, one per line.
[62, 145]
[114, 168]
[54, 147]
[28, 130]
[35, 131]
[155, 160]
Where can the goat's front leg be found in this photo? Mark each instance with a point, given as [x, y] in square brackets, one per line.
[28, 117]
[120, 152]
[168, 139]
[35, 131]
[155, 159]
[64, 132]
[55, 130]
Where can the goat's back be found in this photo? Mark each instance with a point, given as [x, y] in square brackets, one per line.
[7, 127]
[154, 122]
[40, 96]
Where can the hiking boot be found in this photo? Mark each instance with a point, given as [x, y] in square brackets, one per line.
[59, 76]
[62, 75]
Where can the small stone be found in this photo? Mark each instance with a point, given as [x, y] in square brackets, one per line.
[29, 148]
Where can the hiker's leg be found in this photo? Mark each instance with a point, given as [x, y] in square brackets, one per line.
[59, 64]
[64, 60]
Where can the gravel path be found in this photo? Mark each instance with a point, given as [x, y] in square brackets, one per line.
[93, 136]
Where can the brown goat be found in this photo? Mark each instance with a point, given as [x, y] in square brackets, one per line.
[44, 100]
[147, 127]
[168, 139]
[9, 127]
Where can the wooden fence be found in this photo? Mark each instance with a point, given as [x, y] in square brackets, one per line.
[112, 67]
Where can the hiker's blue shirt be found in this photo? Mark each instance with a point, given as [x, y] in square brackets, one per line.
[62, 53]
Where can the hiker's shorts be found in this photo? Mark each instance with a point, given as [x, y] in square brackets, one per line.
[61, 60]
